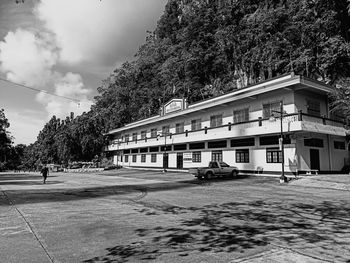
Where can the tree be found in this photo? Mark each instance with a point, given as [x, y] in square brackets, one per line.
[5, 140]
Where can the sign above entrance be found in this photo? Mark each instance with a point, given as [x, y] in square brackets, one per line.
[174, 105]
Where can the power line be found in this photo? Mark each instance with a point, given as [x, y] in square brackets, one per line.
[39, 90]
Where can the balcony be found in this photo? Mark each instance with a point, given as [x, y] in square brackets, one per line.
[291, 123]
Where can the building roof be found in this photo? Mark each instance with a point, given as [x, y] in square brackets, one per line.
[281, 82]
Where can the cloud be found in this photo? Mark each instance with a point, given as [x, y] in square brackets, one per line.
[79, 34]
[28, 58]
[69, 86]
[101, 31]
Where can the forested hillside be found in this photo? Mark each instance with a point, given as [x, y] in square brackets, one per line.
[201, 49]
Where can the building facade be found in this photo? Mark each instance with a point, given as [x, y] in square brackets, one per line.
[241, 128]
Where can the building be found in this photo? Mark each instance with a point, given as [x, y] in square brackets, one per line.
[241, 128]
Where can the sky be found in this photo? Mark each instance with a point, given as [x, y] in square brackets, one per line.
[67, 48]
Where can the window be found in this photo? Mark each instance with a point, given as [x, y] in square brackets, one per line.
[143, 150]
[153, 158]
[165, 130]
[216, 156]
[134, 158]
[179, 128]
[126, 158]
[213, 165]
[126, 137]
[313, 107]
[339, 145]
[217, 144]
[196, 125]
[135, 150]
[269, 108]
[242, 156]
[270, 140]
[196, 157]
[134, 136]
[241, 115]
[313, 142]
[180, 147]
[165, 148]
[143, 158]
[154, 133]
[222, 164]
[273, 155]
[126, 151]
[242, 142]
[216, 120]
[143, 134]
[197, 145]
[154, 149]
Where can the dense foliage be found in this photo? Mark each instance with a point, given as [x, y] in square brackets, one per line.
[201, 49]
[10, 156]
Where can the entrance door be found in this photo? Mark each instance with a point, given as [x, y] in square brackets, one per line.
[165, 160]
[315, 159]
[179, 161]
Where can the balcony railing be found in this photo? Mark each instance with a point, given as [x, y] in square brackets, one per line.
[260, 122]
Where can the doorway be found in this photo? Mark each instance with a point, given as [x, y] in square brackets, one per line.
[165, 160]
[180, 161]
[314, 159]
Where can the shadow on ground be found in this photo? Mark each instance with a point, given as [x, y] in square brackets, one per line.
[15, 177]
[61, 195]
[37, 182]
[237, 227]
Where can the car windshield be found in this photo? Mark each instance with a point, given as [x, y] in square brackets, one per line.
[222, 164]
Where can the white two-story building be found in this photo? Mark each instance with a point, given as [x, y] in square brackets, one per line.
[241, 128]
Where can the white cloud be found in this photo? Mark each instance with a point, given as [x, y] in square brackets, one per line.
[100, 31]
[69, 86]
[28, 58]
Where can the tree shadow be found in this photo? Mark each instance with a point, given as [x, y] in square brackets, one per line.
[66, 194]
[37, 182]
[14, 177]
[237, 226]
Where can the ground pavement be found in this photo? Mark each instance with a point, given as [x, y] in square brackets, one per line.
[149, 216]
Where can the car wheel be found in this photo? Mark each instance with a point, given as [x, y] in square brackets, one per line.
[208, 175]
[234, 174]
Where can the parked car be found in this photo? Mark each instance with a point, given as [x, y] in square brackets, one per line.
[215, 169]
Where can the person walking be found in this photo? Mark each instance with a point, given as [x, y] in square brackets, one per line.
[45, 172]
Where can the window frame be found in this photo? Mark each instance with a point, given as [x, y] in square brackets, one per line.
[196, 124]
[217, 153]
[165, 130]
[153, 157]
[143, 158]
[216, 120]
[197, 157]
[272, 106]
[134, 136]
[241, 115]
[154, 132]
[311, 110]
[242, 155]
[143, 135]
[179, 127]
[273, 155]
[127, 137]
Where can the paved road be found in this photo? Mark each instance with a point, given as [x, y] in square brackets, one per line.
[133, 216]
